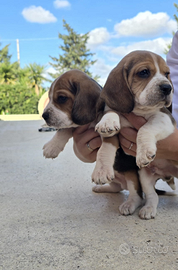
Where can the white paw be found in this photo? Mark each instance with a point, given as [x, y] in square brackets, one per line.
[51, 150]
[145, 155]
[128, 207]
[147, 212]
[108, 127]
[102, 174]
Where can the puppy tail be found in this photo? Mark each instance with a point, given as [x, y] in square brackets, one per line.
[164, 192]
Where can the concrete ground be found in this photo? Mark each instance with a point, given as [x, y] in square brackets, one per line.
[50, 218]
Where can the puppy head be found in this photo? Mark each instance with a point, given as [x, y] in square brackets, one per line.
[72, 100]
[141, 79]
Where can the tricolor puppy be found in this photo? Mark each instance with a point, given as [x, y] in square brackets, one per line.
[72, 102]
[140, 83]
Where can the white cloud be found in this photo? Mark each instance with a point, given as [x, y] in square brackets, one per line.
[97, 37]
[146, 24]
[51, 70]
[157, 46]
[47, 76]
[61, 4]
[38, 15]
[101, 69]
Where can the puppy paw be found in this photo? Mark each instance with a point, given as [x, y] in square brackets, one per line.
[108, 127]
[111, 188]
[101, 189]
[147, 212]
[102, 174]
[145, 156]
[50, 150]
[129, 207]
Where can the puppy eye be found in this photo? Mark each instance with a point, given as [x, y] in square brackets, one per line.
[167, 74]
[145, 73]
[62, 99]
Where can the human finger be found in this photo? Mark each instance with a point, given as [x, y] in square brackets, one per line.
[129, 134]
[86, 144]
[127, 144]
[136, 121]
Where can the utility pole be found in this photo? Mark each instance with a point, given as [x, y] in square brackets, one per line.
[18, 51]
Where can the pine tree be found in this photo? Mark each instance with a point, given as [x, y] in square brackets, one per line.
[74, 53]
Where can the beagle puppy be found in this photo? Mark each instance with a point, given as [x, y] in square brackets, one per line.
[72, 102]
[141, 84]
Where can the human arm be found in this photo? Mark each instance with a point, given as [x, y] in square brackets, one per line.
[167, 148]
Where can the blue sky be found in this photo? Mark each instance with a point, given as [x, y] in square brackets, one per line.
[115, 27]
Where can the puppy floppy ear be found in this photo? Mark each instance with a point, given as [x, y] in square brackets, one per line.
[87, 92]
[116, 92]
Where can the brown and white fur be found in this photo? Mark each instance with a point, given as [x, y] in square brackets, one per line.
[140, 83]
[72, 102]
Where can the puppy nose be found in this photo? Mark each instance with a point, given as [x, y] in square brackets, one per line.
[166, 89]
[45, 115]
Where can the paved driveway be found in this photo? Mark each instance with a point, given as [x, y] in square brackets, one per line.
[50, 218]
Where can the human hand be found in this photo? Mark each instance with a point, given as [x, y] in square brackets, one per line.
[83, 136]
[128, 136]
[167, 148]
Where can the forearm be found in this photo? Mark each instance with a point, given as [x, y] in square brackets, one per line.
[168, 148]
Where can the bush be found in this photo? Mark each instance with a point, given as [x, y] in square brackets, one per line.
[18, 99]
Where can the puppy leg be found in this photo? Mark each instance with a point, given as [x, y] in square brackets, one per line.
[135, 194]
[109, 124]
[104, 172]
[52, 148]
[111, 188]
[148, 181]
[158, 127]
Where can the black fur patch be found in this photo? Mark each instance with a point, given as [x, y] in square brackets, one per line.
[124, 163]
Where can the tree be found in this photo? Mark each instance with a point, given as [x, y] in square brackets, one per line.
[4, 54]
[176, 18]
[20, 89]
[8, 72]
[75, 53]
[18, 99]
[35, 75]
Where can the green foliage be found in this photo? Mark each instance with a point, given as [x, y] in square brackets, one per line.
[18, 99]
[8, 72]
[75, 54]
[176, 18]
[20, 89]
[35, 73]
[4, 54]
